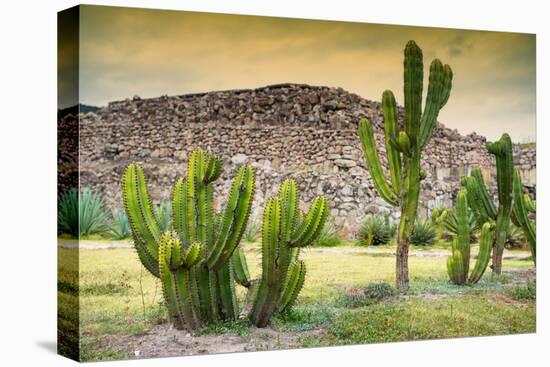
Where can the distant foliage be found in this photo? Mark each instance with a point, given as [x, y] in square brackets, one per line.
[163, 213]
[120, 227]
[424, 233]
[376, 230]
[328, 236]
[82, 217]
[515, 238]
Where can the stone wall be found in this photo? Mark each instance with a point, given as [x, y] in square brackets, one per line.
[289, 130]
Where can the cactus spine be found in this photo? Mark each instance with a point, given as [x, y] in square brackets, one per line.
[283, 234]
[196, 265]
[481, 203]
[404, 148]
[458, 264]
[523, 205]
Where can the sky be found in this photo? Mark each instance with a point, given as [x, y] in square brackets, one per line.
[126, 52]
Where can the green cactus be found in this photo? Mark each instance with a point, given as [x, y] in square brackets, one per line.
[438, 220]
[458, 264]
[404, 148]
[523, 205]
[197, 266]
[283, 234]
[481, 203]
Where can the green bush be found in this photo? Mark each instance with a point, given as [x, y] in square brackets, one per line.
[524, 292]
[328, 236]
[371, 294]
[424, 233]
[163, 213]
[120, 227]
[515, 238]
[253, 230]
[84, 216]
[376, 230]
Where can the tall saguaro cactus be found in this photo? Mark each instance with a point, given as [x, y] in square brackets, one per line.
[404, 148]
[458, 264]
[283, 234]
[194, 262]
[523, 205]
[481, 203]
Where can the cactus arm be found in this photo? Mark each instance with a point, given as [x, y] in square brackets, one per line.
[240, 268]
[413, 83]
[294, 284]
[288, 195]
[440, 84]
[455, 267]
[270, 238]
[179, 210]
[167, 283]
[191, 256]
[521, 214]
[373, 162]
[530, 204]
[145, 229]
[484, 255]
[213, 169]
[309, 229]
[234, 219]
[486, 201]
[391, 130]
[226, 286]
[463, 235]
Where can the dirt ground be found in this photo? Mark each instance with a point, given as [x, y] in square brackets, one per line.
[165, 341]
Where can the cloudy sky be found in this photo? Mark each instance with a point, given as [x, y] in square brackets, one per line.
[124, 52]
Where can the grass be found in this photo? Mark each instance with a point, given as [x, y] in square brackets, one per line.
[117, 296]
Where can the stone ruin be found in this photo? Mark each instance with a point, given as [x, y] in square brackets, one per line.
[308, 133]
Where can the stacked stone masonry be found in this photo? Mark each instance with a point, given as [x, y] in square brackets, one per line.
[288, 130]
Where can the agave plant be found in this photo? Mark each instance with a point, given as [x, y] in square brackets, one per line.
[376, 230]
[120, 227]
[82, 214]
[424, 233]
[329, 235]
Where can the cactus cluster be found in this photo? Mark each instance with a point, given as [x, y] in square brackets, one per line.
[458, 264]
[284, 232]
[199, 261]
[523, 205]
[404, 146]
[481, 202]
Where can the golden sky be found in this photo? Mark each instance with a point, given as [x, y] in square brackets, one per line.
[124, 52]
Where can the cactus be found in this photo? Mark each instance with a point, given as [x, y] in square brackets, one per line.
[458, 264]
[283, 234]
[404, 148]
[196, 265]
[438, 219]
[481, 203]
[523, 205]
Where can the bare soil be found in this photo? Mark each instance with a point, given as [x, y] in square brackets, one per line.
[165, 341]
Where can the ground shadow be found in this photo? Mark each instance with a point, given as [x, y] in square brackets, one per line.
[48, 345]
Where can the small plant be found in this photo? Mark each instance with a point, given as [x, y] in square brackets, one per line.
[252, 231]
[375, 231]
[515, 237]
[424, 233]
[371, 294]
[120, 227]
[163, 213]
[458, 264]
[328, 236]
[82, 214]
[524, 292]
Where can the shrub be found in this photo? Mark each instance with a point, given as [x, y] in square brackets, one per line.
[524, 292]
[515, 238]
[371, 294]
[252, 231]
[376, 230]
[163, 213]
[82, 215]
[328, 236]
[424, 233]
[120, 227]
